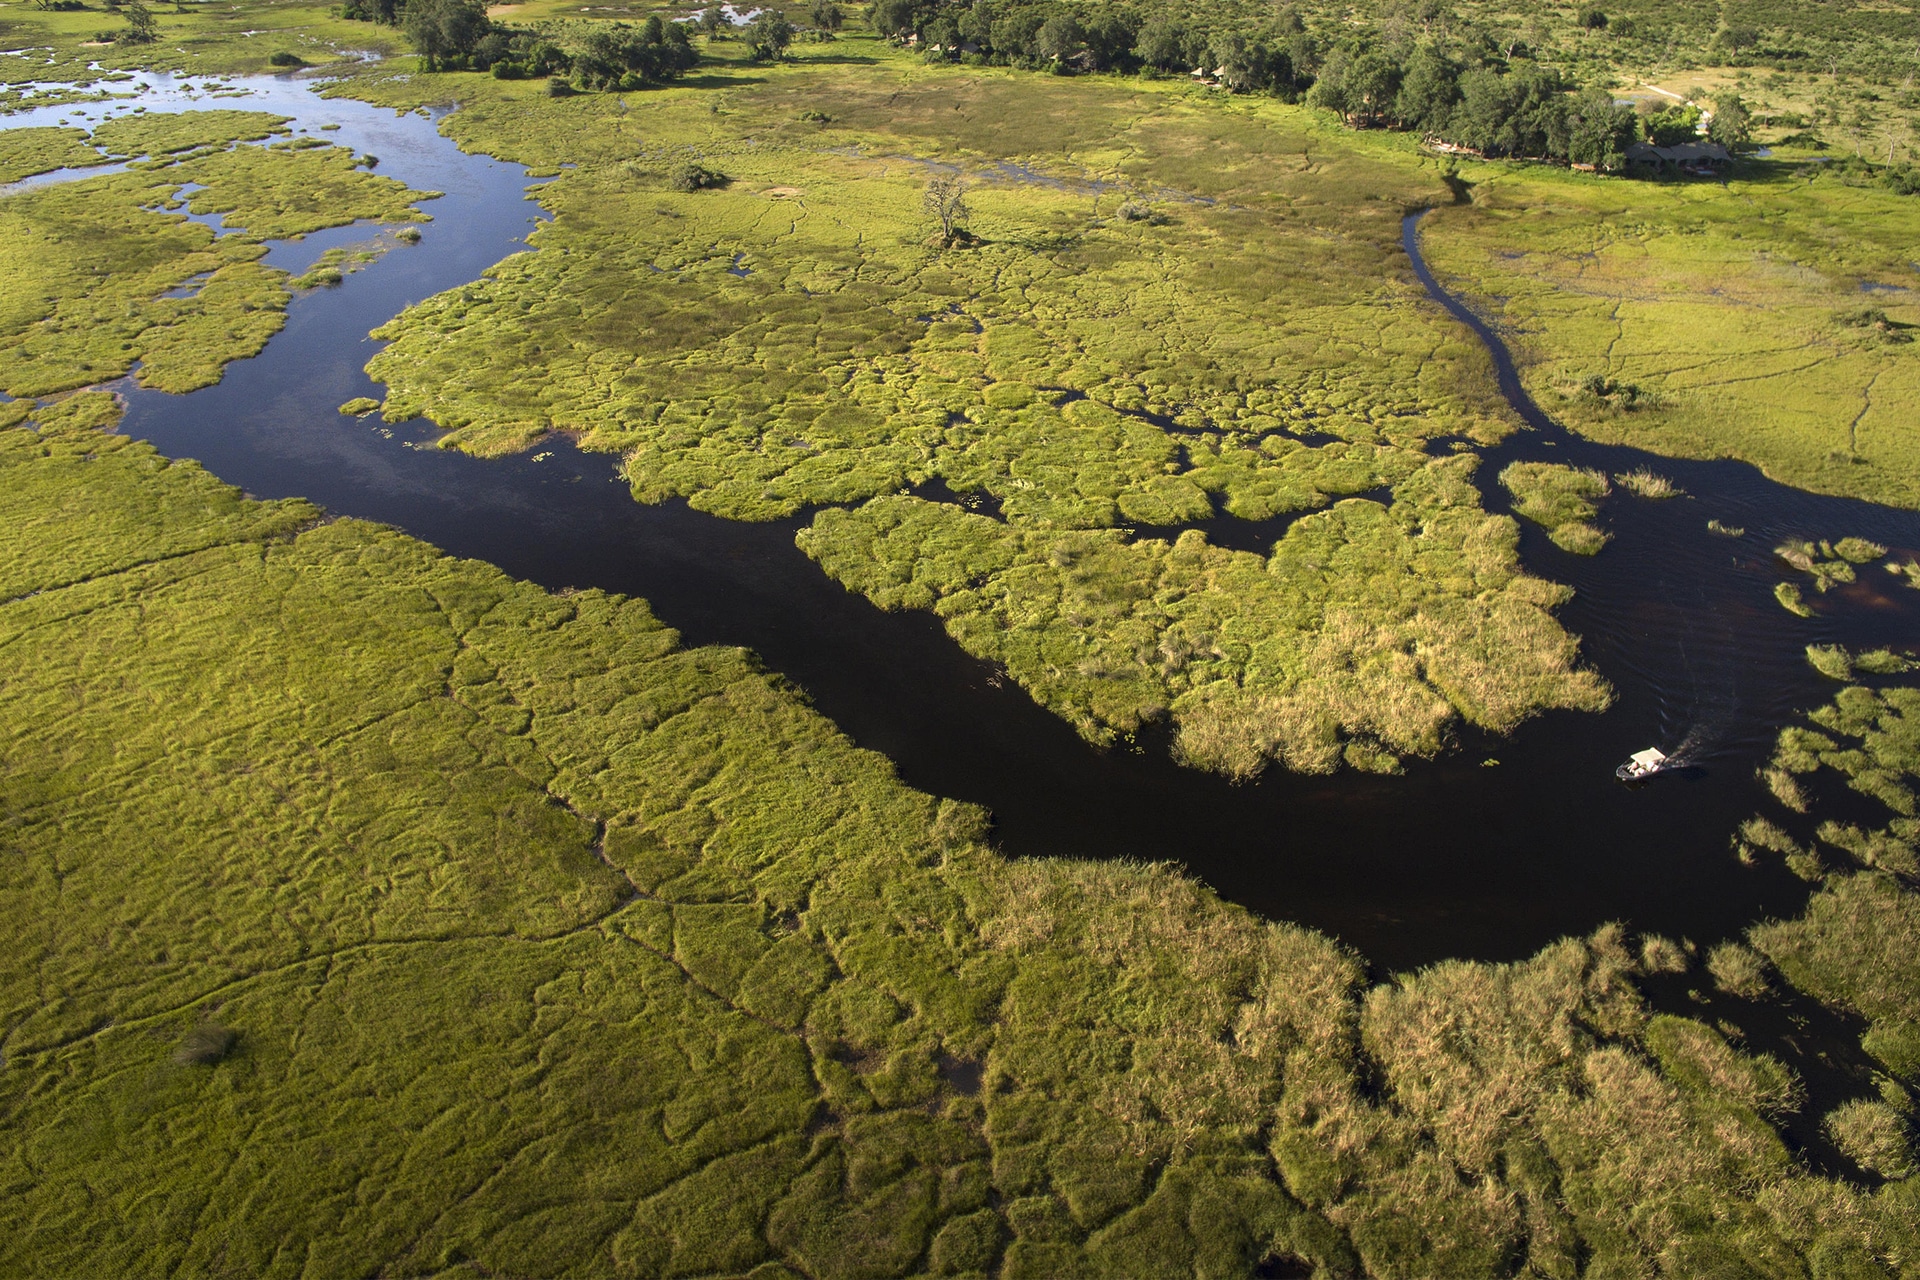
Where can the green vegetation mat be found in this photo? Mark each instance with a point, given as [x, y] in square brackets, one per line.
[1126, 339]
[24, 152]
[1561, 499]
[104, 273]
[375, 912]
[1706, 320]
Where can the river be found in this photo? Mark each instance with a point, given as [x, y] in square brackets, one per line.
[1458, 857]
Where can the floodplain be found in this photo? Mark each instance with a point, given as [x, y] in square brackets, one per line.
[392, 913]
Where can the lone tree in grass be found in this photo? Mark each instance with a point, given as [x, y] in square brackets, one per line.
[769, 36]
[947, 201]
[141, 28]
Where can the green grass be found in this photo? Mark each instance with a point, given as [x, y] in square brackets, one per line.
[1722, 306]
[207, 38]
[24, 152]
[1360, 638]
[377, 912]
[1856, 944]
[85, 266]
[374, 913]
[1560, 499]
[1271, 316]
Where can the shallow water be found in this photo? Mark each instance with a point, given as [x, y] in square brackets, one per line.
[1461, 857]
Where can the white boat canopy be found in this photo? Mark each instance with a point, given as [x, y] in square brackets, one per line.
[1649, 758]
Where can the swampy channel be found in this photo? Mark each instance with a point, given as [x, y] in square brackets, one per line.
[1496, 848]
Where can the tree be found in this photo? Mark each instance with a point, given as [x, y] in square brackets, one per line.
[1061, 38]
[1732, 124]
[443, 31]
[141, 27]
[1372, 84]
[713, 22]
[1428, 90]
[1110, 35]
[385, 12]
[947, 202]
[1164, 46]
[827, 17]
[1675, 125]
[769, 36]
[1599, 130]
[895, 19]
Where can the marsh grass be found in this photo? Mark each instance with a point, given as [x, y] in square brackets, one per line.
[1649, 484]
[1562, 499]
[791, 340]
[1357, 641]
[558, 948]
[1717, 305]
[1738, 970]
[1856, 944]
[1876, 1136]
[1831, 661]
[24, 152]
[545, 881]
[85, 266]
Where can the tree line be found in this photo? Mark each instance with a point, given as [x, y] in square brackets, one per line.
[1506, 106]
[1468, 88]
[457, 35]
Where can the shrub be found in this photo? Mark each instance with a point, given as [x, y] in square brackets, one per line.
[1738, 970]
[205, 1045]
[1140, 211]
[1874, 1135]
[285, 59]
[691, 177]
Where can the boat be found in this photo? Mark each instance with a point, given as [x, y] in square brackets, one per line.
[1643, 764]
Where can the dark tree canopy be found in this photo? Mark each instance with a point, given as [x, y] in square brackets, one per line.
[444, 32]
[769, 35]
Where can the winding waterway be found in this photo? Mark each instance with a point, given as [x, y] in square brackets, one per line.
[1461, 857]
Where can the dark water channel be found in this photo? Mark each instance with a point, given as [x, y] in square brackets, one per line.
[1460, 857]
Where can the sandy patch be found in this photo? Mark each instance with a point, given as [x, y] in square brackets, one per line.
[502, 10]
[783, 193]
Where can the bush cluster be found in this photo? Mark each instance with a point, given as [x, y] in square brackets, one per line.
[457, 35]
[1041, 36]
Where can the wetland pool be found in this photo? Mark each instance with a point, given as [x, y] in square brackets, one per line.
[1460, 857]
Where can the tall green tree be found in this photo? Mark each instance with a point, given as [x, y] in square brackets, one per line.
[141, 27]
[1599, 130]
[1732, 123]
[769, 35]
[443, 31]
[1428, 90]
